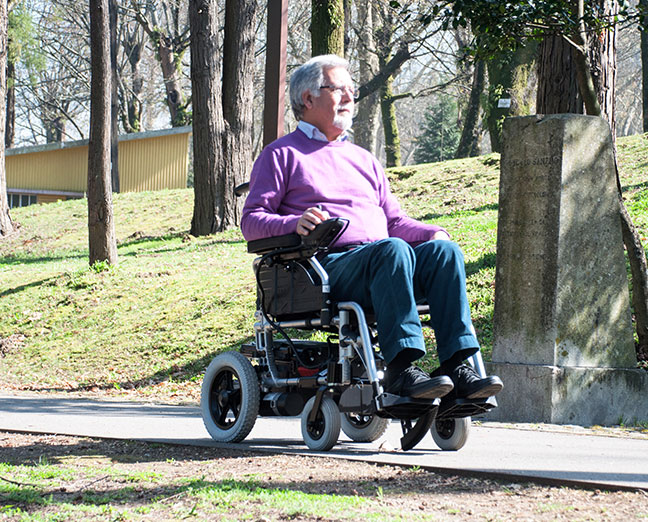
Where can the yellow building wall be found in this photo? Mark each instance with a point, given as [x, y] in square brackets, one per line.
[64, 170]
[153, 163]
[150, 163]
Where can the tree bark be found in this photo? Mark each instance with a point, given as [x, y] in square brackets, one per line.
[132, 110]
[6, 225]
[208, 122]
[508, 76]
[390, 126]
[557, 83]
[469, 140]
[384, 43]
[367, 123]
[327, 27]
[643, 26]
[114, 100]
[175, 100]
[238, 98]
[101, 225]
[10, 118]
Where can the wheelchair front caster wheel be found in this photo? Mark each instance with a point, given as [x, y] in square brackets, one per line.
[322, 434]
[229, 399]
[450, 434]
[363, 428]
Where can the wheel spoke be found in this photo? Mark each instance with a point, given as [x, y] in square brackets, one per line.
[222, 418]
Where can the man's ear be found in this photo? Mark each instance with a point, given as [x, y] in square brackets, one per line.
[307, 99]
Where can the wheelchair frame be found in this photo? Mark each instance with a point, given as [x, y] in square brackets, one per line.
[341, 390]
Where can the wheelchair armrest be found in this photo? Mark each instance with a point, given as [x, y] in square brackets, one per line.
[268, 244]
[319, 239]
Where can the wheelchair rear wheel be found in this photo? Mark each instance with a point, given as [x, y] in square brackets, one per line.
[451, 434]
[363, 428]
[322, 434]
[229, 398]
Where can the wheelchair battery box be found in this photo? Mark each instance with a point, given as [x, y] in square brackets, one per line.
[288, 289]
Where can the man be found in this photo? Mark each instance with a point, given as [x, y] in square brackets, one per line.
[384, 259]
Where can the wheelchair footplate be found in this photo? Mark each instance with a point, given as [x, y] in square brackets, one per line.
[456, 408]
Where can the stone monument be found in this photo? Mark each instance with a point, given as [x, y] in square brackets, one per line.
[563, 339]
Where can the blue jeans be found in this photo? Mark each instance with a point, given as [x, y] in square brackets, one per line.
[391, 277]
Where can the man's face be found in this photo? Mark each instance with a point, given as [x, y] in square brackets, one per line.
[332, 111]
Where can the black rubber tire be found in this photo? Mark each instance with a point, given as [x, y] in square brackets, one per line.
[451, 434]
[325, 434]
[363, 428]
[229, 399]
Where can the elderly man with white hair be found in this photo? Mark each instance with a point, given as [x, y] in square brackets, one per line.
[385, 259]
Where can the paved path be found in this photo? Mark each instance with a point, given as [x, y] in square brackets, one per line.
[562, 455]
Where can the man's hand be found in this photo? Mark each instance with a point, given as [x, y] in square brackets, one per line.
[311, 217]
[441, 235]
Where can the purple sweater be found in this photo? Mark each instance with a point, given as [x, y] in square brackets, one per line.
[295, 173]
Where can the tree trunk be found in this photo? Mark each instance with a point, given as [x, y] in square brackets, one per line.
[238, 98]
[643, 25]
[114, 100]
[557, 83]
[508, 76]
[132, 111]
[54, 129]
[6, 225]
[175, 100]
[327, 27]
[208, 122]
[384, 36]
[390, 126]
[348, 4]
[469, 141]
[11, 105]
[101, 226]
[367, 123]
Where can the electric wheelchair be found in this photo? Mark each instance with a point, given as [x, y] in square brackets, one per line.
[335, 383]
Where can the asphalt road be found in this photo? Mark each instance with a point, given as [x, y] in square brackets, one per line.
[567, 455]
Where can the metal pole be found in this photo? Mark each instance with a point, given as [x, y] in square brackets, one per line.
[275, 70]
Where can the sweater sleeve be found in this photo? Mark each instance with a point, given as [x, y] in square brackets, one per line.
[268, 182]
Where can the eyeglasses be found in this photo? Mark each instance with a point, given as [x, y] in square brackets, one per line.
[341, 89]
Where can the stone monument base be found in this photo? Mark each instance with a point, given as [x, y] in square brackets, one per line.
[570, 395]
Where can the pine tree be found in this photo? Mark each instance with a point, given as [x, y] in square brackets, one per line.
[440, 135]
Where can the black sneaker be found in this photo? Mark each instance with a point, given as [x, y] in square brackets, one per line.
[414, 382]
[469, 385]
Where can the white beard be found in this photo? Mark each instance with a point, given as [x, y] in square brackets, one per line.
[343, 121]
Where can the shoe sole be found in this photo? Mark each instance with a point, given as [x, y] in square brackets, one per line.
[493, 387]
